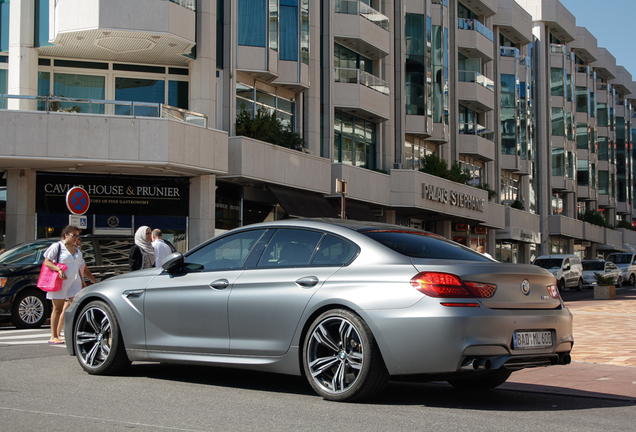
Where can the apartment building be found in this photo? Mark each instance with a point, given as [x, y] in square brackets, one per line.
[138, 101]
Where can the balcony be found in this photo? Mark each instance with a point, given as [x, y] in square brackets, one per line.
[257, 161]
[160, 32]
[477, 141]
[363, 184]
[593, 233]
[361, 94]
[520, 226]
[565, 227]
[585, 45]
[166, 144]
[474, 39]
[513, 21]
[361, 28]
[476, 91]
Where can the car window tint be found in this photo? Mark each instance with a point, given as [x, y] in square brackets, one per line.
[290, 247]
[88, 252]
[115, 252]
[334, 251]
[32, 253]
[225, 253]
[548, 263]
[595, 265]
[421, 245]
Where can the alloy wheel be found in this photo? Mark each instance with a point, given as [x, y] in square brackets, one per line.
[335, 355]
[93, 337]
[31, 309]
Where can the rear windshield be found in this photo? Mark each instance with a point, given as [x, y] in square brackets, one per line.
[421, 245]
[620, 258]
[593, 265]
[549, 263]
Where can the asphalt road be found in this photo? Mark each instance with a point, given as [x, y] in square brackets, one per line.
[43, 389]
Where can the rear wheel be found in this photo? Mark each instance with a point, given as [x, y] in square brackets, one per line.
[341, 359]
[561, 285]
[482, 382]
[99, 346]
[619, 281]
[30, 309]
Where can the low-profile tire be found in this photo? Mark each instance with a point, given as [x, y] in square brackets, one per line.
[99, 346]
[619, 282]
[486, 381]
[561, 285]
[341, 359]
[632, 279]
[579, 286]
[30, 309]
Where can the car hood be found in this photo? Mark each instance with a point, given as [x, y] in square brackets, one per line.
[507, 277]
[11, 270]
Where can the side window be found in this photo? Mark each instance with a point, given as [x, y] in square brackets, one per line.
[566, 264]
[333, 251]
[226, 253]
[88, 252]
[114, 252]
[290, 247]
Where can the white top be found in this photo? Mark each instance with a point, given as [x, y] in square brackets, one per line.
[162, 250]
[73, 282]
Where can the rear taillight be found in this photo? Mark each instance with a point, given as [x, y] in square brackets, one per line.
[553, 291]
[446, 285]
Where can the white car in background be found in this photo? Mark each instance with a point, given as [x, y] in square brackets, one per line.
[604, 268]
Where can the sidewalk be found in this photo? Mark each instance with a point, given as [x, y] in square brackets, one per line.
[603, 357]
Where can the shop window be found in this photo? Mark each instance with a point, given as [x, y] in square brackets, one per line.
[354, 141]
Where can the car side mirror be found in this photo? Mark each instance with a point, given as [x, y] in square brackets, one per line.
[567, 267]
[173, 262]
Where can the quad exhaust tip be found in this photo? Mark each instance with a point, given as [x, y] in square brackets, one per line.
[477, 364]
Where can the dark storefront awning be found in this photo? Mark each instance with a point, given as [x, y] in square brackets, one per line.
[299, 203]
[359, 211]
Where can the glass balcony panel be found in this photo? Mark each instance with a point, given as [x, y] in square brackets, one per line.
[476, 77]
[348, 75]
[471, 24]
[509, 52]
[356, 7]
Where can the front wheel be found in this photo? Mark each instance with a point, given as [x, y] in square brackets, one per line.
[561, 285]
[99, 346]
[579, 286]
[487, 381]
[30, 309]
[341, 359]
[632, 279]
[619, 282]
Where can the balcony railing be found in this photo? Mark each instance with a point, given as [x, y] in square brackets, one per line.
[441, 2]
[356, 7]
[603, 86]
[104, 107]
[476, 129]
[509, 52]
[557, 48]
[471, 24]
[525, 61]
[189, 4]
[348, 75]
[476, 77]
[583, 69]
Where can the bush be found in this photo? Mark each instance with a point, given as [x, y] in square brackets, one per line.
[593, 217]
[517, 205]
[603, 280]
[266, 126]
[626, 225]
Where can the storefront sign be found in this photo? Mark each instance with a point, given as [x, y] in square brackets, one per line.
[518, 234]
[147, 196]
[452, 197]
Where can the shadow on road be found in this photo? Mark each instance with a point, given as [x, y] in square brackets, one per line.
[524, 397]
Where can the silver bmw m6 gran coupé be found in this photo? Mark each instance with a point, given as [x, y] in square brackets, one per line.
[349, 305]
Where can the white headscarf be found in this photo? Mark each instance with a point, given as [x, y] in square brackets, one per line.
[145, 246]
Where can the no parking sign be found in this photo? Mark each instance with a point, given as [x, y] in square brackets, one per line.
[77, 200]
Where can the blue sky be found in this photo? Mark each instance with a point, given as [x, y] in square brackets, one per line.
[612, 24]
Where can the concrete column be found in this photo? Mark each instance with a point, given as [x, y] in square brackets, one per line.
[445, 229]
[20, 225]
[311, 97]
[390, 141]
[202, 207]
[203, 69]
[389, 216]
[23, 58]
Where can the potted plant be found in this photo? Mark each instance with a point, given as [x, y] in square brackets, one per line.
[604, 289]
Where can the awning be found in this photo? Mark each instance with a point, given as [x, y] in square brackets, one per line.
[299, 203]
[359, 211]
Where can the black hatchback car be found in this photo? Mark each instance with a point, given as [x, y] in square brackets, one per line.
[23, 303]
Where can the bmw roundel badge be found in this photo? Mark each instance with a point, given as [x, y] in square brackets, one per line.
[525, 287]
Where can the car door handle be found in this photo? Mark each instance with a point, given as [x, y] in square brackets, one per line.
[219, 284]
[307, 281]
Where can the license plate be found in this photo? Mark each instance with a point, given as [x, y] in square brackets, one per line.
[535, 339]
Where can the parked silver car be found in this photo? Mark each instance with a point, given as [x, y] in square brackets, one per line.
[347, 304]
[603, 268]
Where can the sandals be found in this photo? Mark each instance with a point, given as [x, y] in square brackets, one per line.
[56, 341]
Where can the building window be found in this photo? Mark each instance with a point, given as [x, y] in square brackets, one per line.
[558, 125]
[289, 43]
[556, 81]
[582, 138]
[557, 203]
[41, 37]
[414, 155]
[582, 100]
[582, 172]
[601, 115]
[603, 149]
[415, 74]
[273, 24]
[603, 182]
[251, 100]
[558, 162]
[4, 25]
[304, 31]
[354, 141]
[509, 114]
[3, 87]
[252, 22]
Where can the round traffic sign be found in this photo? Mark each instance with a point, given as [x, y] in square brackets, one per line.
[77, 200]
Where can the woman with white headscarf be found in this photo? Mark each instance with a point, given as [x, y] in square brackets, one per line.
[142, 254]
